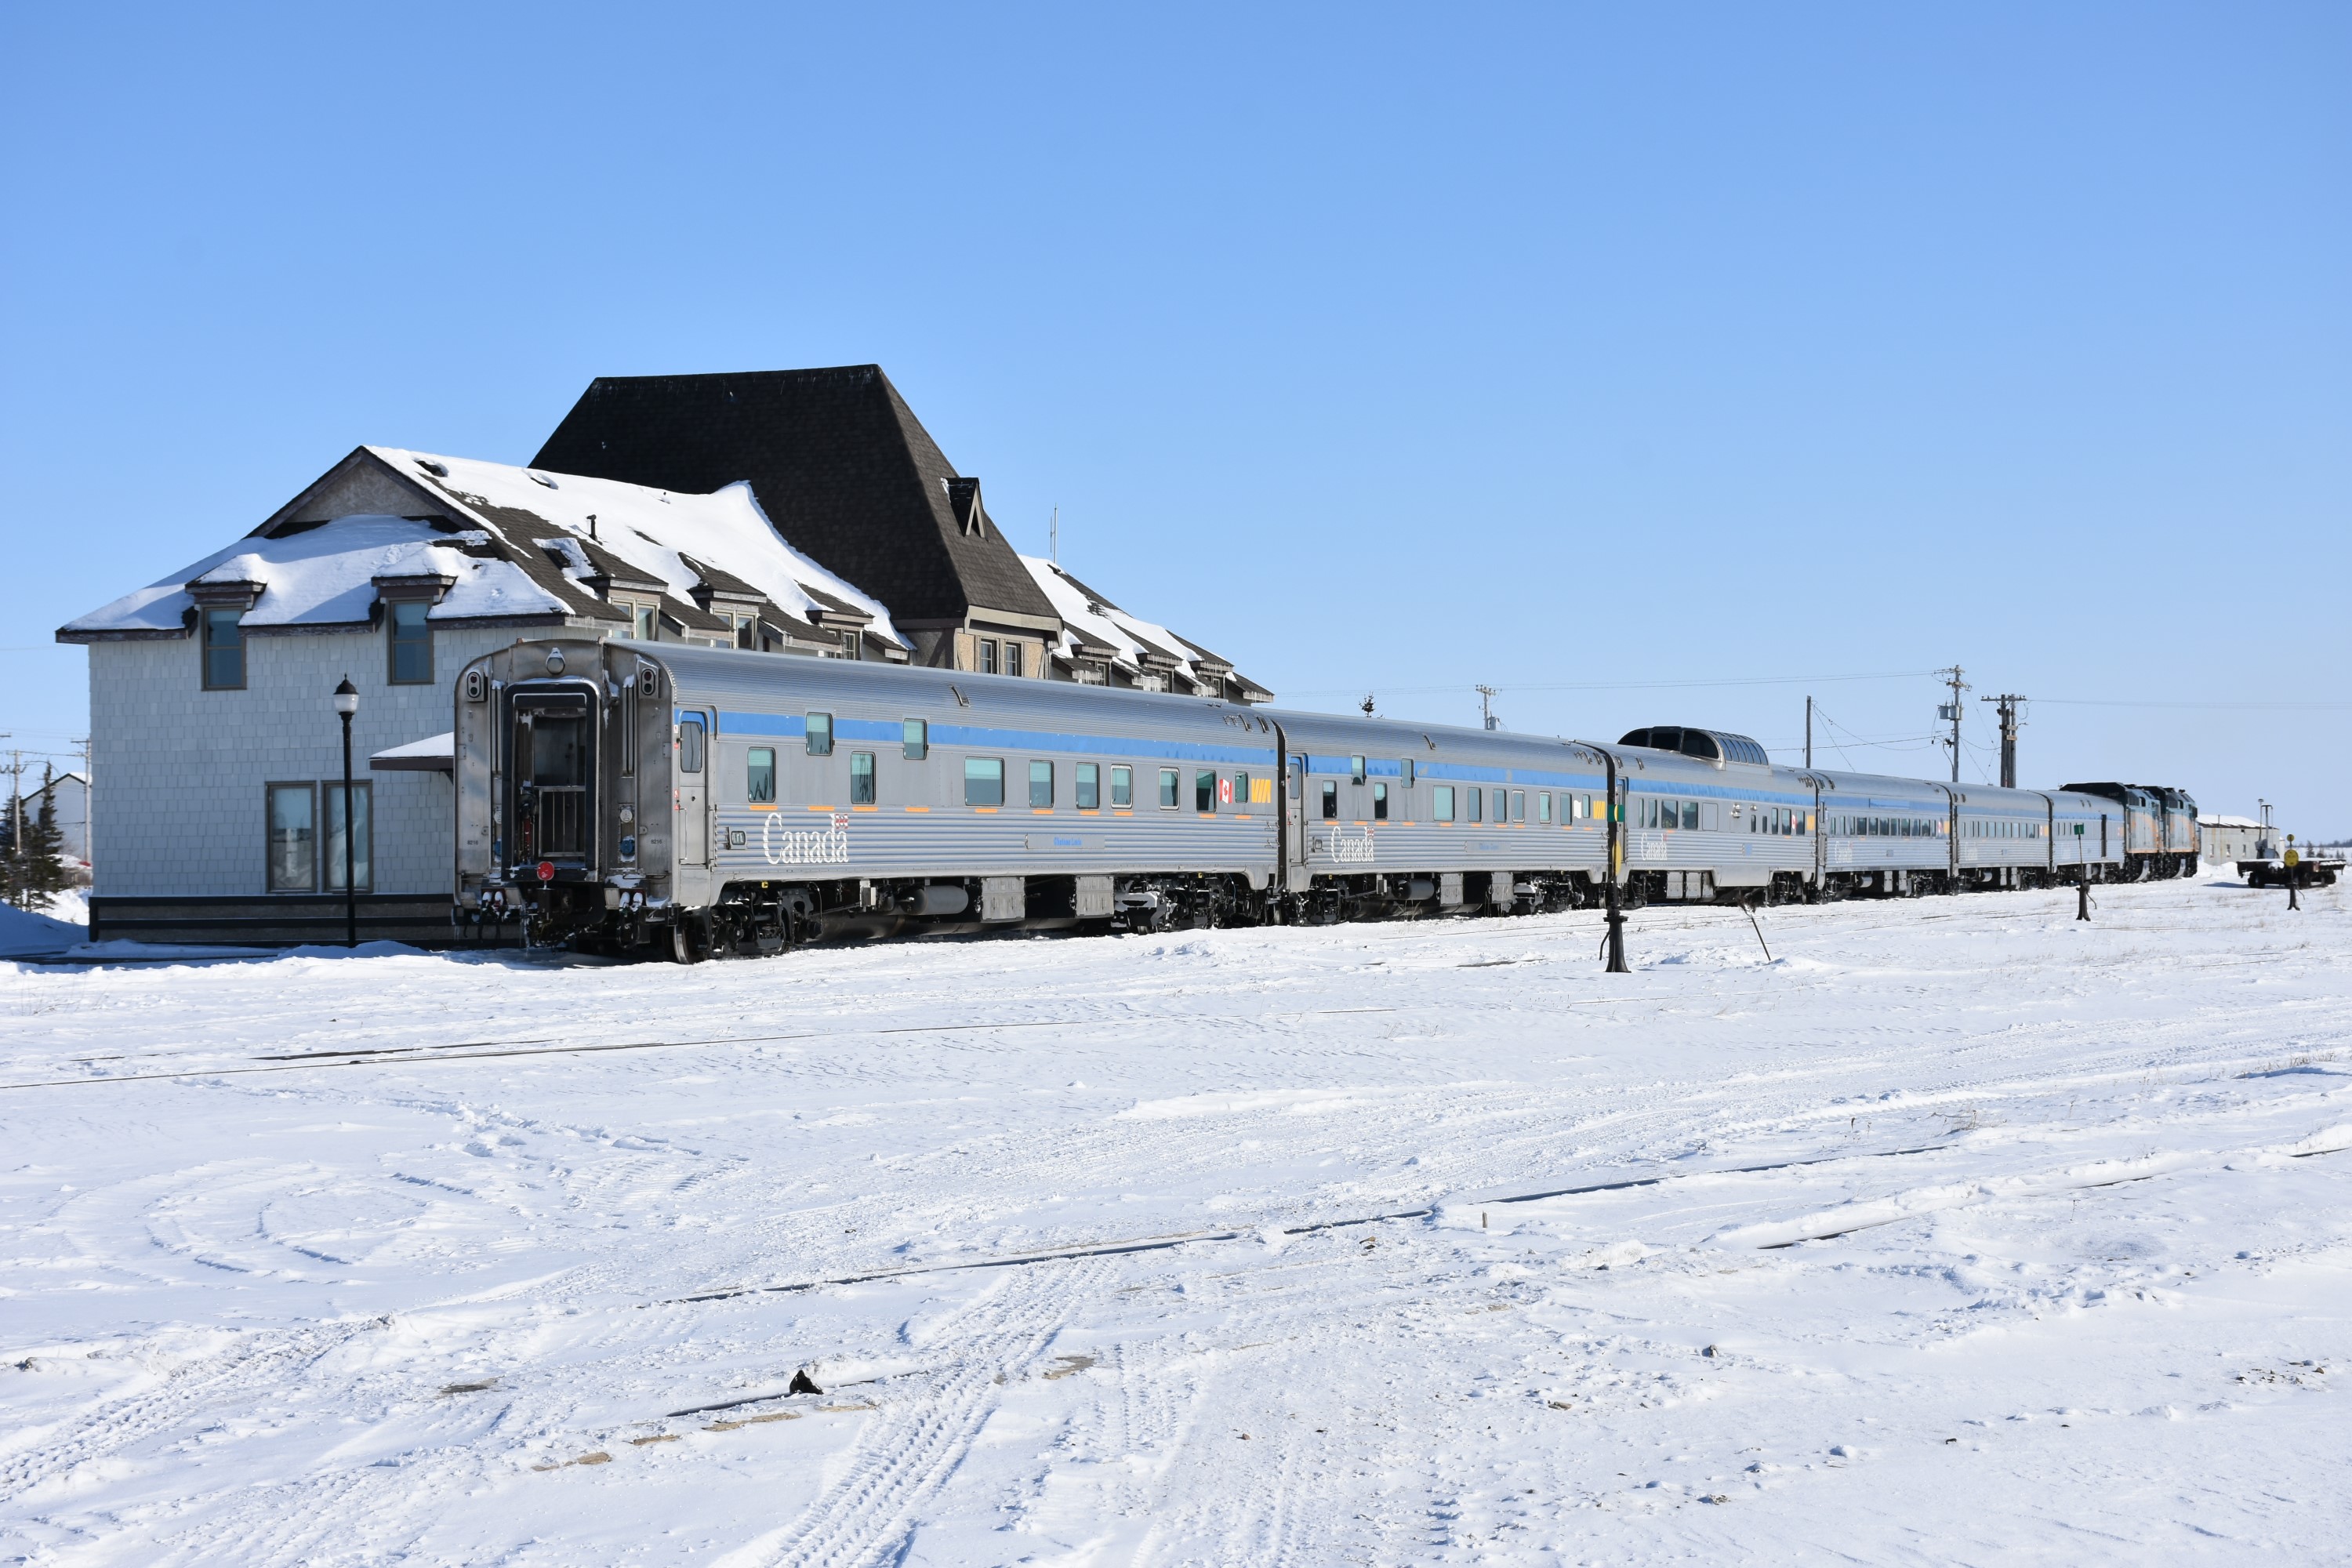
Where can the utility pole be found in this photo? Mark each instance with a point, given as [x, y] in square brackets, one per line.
[2005, 706]
[1486, 695]
[2263, 848]
[1054, 537]
[15, 811]
[1952, 711]
[1809, 733]
[89, 803]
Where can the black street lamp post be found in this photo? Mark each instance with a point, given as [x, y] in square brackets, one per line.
[347, 702]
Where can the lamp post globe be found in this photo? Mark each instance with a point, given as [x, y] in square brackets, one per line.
[347, 703]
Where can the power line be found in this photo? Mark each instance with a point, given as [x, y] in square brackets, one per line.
[1614, 685]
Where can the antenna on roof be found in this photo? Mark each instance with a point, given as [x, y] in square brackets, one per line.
[1054, 537]
[591, 527]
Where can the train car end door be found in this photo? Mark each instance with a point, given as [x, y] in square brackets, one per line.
[690, 771]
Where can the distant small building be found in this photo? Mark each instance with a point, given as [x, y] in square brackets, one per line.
[2229, 838]
[72, 809]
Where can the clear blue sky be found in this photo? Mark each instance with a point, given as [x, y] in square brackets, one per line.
[1382, 349]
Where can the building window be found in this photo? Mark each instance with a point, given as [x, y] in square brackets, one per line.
[1330, 800]
[1380, 802]
[759, 777]
[1122, 787]
[988, 656]
[917, 739]
[362, 838]
[747, 631]
[293, 839]
[1204, 791]
[1013, 658]
[412, 643]
[1090, 786]
[1041, 786]
[820, 735]
[224, 650]
[984, 781]
[1441, 803]
[861, 778]
[1168, 786]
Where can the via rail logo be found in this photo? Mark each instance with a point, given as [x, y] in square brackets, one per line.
[1346, 845]
[814, 847]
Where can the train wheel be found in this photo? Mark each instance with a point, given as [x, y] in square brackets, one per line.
[683, 947]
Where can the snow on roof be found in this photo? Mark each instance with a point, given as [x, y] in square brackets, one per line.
[323, 576]
[1089, 619]
[435, 753]
[651, 529]
[2217, 821]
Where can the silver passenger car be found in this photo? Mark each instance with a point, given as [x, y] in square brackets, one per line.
[625, 795]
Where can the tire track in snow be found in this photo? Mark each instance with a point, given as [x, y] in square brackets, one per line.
[919, 1438]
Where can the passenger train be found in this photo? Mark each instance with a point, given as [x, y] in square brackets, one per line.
[619, 795]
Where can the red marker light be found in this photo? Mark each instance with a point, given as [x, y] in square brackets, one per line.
[547, 870]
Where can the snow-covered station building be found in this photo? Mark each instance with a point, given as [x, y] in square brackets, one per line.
[219, 813]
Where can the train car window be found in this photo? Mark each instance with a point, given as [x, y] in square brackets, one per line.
[1543, 806]
[1804, 823]
[820, 735]
[1122, 786]
[759, 775]
[1204, 790]
[1471, 805]
[1168, 801]
[1404, 769]
[1041, 784]
[916, 738]
[1330, 800]
[1241, 789]
[1355, 769]
[1090, 787]
[689, 746]
[1380, 802]
[861, 778]
[1298, 777]
[1690, 815]
[1441, 803]
[1519, 806]
[984, 781]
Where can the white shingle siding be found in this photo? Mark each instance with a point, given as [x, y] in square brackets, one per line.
[181, 800]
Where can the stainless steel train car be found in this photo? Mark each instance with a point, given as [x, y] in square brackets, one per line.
[699, 801]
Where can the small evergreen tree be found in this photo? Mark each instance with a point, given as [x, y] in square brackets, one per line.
[45, 847]
[35, 864]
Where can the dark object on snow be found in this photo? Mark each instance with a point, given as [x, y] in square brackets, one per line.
[2082, 899]
[801, 1384]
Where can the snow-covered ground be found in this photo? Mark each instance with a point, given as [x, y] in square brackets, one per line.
[1957, 1232]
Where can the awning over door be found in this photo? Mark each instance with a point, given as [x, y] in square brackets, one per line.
[433, 754]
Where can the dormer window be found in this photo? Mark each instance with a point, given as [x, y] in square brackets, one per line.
[412, 642]
[224, 648]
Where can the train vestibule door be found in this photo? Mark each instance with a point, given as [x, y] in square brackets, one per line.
[1296, 878]
[690, 776]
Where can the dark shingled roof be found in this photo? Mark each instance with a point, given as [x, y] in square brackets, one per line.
[838, 461]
